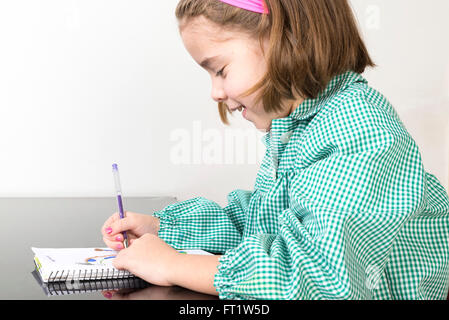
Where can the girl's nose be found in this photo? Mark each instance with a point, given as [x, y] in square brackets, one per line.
[218, 93]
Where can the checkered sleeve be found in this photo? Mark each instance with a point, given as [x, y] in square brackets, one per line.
[199, 223]
[361, 180]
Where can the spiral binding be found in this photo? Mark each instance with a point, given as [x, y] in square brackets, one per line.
[79, 287]
[61, 288]
[93, 274]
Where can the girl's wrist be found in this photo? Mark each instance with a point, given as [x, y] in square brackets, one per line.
[173, 268]
[154, 225]
[157, 227]
[194, 272]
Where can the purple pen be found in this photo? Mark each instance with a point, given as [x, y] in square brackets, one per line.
[119, 199]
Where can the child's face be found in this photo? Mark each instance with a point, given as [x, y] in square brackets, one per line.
[236, 65]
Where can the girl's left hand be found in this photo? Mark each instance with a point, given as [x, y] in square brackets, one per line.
[149, 258]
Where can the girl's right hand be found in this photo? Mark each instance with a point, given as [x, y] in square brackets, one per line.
[135, 225]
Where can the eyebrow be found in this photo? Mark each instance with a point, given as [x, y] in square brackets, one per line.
[207, 62]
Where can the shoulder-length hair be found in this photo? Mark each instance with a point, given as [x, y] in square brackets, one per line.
[310, 42]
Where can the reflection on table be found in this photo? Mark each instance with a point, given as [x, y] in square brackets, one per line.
[119, 289]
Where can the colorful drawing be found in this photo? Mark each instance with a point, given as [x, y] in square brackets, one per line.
[98, 260]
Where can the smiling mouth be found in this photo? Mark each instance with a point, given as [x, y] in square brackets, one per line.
[239, 108]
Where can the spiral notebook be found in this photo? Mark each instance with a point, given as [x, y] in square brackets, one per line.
[82, 264]
[62, 288]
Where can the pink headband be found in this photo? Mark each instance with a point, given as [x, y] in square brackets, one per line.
[258, 6]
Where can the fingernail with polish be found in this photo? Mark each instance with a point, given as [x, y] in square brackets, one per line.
[108, 295]
[108, 230]
[119, 246]
[118, 238]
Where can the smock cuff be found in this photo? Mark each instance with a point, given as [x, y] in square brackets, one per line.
[224, 279]
[233, 273]
[172, 221]
[197, 224]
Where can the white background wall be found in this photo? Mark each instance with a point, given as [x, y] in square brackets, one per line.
[84, 84]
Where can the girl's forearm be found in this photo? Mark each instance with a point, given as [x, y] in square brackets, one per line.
[195, 272]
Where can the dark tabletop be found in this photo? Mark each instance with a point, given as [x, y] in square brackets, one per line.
[65, 223]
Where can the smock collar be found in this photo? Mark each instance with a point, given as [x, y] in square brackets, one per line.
[310, 107]
[277, 139]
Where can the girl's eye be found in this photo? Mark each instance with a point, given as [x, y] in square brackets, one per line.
[220, 73]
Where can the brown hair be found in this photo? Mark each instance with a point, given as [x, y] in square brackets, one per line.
[310, 42]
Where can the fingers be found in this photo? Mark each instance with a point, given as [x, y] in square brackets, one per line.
[118, 262]
[112, 231]
[108, 222]
[116, 243]
[113, 228]
[115, 225]
[121, 225]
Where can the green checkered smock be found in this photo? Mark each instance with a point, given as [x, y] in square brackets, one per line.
[342, 208]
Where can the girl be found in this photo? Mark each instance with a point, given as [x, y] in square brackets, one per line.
[341, 208]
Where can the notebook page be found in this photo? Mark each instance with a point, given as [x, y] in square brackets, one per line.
[82, 263]
[77, 263]
[75, 258]
[84, 257]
